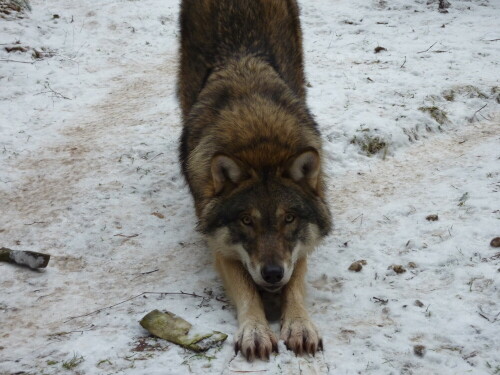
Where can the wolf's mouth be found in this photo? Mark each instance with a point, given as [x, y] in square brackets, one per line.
[272, 289]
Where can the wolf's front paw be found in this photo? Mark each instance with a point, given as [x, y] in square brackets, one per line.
[255, 340]
[301, 336]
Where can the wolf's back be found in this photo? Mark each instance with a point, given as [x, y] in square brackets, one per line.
[213, 31]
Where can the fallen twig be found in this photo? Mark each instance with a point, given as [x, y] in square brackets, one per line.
[474, 115]
[489, 319]
[124, 235]
[57, 94]
[148, 272]
[130, 299]
[428, 48]
[246, 371]
[145, 273]
[154, 157]
[404, 62]
[380, 300]
[57, 334]
[17, 61]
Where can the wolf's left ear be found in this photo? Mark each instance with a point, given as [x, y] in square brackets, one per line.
[305, 167]
[225, 170]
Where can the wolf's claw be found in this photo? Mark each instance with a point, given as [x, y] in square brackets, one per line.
[301, 336]
[255, 340]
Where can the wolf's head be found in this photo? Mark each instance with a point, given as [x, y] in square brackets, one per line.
[268, 217]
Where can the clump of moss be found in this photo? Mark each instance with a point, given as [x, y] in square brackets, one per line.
[466, 90]
[449, 95]
[471, 92]
[437, 114]
[73, 362]
[370, 145]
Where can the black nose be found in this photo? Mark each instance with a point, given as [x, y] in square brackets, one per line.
[272, 274]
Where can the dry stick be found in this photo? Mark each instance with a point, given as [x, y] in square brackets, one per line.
[154, 157]
[492, 319]
[479, 110]
[69, 332]
[131, 298]
[356, 218]
[145, 273]
[427, 48]
[124, 235]
[17, 61]
[148, 272]
[382, 301]
[246, 371]
[404, 62]
[58, 94]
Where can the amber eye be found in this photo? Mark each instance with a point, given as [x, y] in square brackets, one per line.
[289, 218]
[246, 219]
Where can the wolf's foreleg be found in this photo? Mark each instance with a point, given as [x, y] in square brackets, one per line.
[254, 338]
[297, 330]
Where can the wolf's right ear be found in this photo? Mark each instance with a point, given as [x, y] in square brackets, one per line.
[305, 167]
[225, 171]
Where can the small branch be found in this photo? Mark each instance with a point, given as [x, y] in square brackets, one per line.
[57, 94]
[246, 371]
[356, 218]
[428, 48]
[124, 235]
[154, 157]
[475, 113]
[17, 61]
[479, 110]
[491, 319]
[148, 272]
[57, 334]
[145, 273]
[404, 62]
[130, 299]
[380, 300]
[36, 222]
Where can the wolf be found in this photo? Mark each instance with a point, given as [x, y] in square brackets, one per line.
[252, 156]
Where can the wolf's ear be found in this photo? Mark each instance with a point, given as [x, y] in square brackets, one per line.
[305, 167]
[225, 170]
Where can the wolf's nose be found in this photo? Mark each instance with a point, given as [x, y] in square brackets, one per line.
[272, 274]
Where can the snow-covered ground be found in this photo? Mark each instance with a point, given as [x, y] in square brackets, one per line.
[89, 174]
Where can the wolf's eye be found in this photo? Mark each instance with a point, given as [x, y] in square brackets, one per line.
[246, 219]
[289, 218]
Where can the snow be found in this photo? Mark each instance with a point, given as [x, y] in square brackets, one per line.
[89, 174]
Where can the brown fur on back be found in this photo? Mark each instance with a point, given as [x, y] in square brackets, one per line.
[215, 31]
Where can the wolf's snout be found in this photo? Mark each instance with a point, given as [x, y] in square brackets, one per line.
[272, 273]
